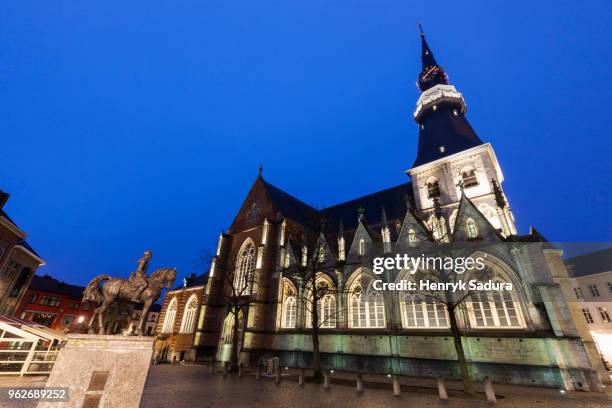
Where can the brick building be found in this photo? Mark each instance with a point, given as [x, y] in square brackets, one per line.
[454, 199]
[56, 305]
[18, 262]
[180, 321]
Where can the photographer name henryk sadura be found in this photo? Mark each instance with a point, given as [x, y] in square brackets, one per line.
[448, 266]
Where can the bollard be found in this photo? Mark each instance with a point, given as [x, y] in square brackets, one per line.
[240, 370]
[258, 374]
[277, 376]
[359, 382]
[490, 393]
[211, 369]
[301, 378]
[225, 368]
[326, 381]
[442, 389]
[397, 391]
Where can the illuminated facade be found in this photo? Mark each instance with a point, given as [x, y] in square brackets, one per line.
[455, 194]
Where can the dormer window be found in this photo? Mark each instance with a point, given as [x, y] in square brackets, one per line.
[468, 177]
[412, 238]
[472, 230]
[433, 188]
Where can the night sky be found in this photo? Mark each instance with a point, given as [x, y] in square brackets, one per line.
[141, 124]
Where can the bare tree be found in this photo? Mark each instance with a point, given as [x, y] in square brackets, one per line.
[312, 262]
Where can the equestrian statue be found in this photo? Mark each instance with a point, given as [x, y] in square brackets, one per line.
[139, 288]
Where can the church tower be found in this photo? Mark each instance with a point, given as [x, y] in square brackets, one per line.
[451, 159]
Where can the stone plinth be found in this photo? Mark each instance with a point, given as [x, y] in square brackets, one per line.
[101, 371]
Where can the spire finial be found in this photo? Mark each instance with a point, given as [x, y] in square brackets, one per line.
[260, 170]
[360, 213]
[421, 30]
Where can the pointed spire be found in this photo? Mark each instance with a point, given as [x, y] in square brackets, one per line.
[431, 74]
[360, 214]
[383, 215]
[427, 57]
[499, 196]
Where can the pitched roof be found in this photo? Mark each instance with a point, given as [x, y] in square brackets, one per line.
[46, 283]
[289, 206]
[590, 264]
[392, 199]
[193, 281]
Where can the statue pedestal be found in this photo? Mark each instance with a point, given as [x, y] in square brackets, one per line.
[102, 371]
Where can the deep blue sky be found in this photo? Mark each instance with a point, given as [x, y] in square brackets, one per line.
[140, 124]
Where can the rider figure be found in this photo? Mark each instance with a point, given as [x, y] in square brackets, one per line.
[139, 278]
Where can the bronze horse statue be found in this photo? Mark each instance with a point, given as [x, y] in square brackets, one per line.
[117, 289]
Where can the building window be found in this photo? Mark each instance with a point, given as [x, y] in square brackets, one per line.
[412, 238]
[433, 188]
[472, 230]
[603, 312]
[362, 247]
[418, 313]
[32, 298]
[289, 313]
[494, 309]
[170, 316]
[304, 256]
[594, 290]
[468, 177]
[322, 255]
[578, 292]
[610, 287]
[50, 300]
[244, 268]
[326, 303]
[587, 315]
[74, 306]
[341, 245]
[188, 322]
[365, 312]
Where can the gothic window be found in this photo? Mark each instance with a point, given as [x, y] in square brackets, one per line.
[423, 313]
[326, 304]
[245, 266]
[468, 177]
[494, 309]
[603, 312]
[386, 234]
[170, 316]
[412, 238]
[289, 313]
[188, 322]
[594, 290]
[365, 311]
[304, 256]
[578, 293]
[362, 247]
[433, 188]
[587, 315]
[322, 255]
[472, 230]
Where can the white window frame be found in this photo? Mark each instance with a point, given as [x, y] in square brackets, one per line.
[489, 314]
[189, 315]
[170, 316]
[587, 315]
[289, 316]
[472, 229]
[245, 266]
[432, 314]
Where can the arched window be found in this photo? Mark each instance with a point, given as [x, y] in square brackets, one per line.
[417, 312]
[412, 240]
[289, 313]
[433, 188]
[362, 247]
[245, 266]
[326, 304]
[494, 309]
[189, 315]
[170, 316]
[472, 229]
[468, 177]
[365, 311]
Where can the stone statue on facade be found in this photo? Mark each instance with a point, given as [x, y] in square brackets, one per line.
[139, 288]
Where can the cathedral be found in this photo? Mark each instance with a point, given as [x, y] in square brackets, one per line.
[531, 335]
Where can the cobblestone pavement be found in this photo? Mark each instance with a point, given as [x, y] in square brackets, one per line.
[171, 386]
